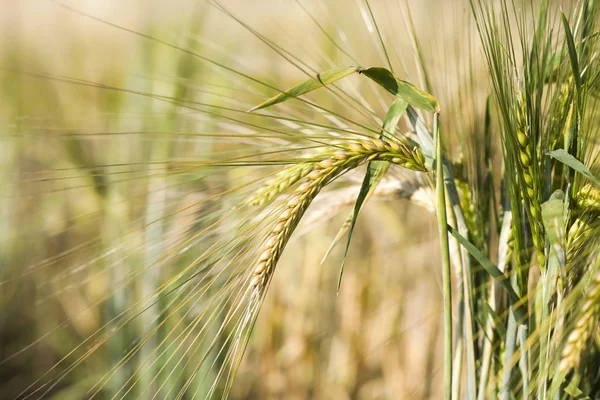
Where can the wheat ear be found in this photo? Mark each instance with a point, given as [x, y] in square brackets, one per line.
[586, 321]
[347, 156]
[588, 198]
[280, 183]
[531, 192]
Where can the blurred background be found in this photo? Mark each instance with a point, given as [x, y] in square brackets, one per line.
[86, 138]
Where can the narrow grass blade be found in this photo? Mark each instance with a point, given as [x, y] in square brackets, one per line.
[567, 159]
[392, 117]
[375, 172]
[405, 90]
[445, 249]
[313, 83]
[572, 390]
[553, 66]
[493, 271]
[362, 195]
[387, 57]
[572, 52]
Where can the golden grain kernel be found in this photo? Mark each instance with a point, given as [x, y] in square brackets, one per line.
[326, 164]
[368, 146]
[394, 146]
[304, 187]
[278, 227]
[563, 366]
[294, 200]
[356, 147]
[265, 255]
[586, 307]
[255, 281]
[271, 241]
[286, 214]
[340, 155]
[260, 268]
[378, 143]
[315, 174]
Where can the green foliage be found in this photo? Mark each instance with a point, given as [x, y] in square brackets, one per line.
[320, 80]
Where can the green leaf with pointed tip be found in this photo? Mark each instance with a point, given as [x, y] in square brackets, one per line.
[375, 172]
[572, 390]
[405, 90]
[572, 51]
[316, 82]
[570, 161]
[493, 270]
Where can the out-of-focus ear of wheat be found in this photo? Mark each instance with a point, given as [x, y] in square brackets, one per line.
[160, 240]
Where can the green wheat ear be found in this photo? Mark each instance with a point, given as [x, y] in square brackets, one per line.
[405, 94]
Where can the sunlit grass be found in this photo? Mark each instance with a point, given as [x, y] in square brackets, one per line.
[133, 238]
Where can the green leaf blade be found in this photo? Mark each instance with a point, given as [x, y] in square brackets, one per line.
[365, 188]
[495, 273]
[405, 90]
[570, 161]
[313, 83]
[572, 52]
[375, 172]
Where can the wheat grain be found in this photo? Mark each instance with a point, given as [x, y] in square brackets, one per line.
[280, 183]
[295, 172]
[588, 198]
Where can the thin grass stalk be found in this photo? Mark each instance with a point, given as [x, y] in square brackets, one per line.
[464, 260]
[509, 351]
[459, 347]
[486, 358]
[446, 267]
[468, 324]
[523, 359]
[503, 260]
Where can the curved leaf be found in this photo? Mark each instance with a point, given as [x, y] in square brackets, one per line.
[572, 52]
[568, 159]
[492, 269]
[405, 90]
[375, 172]
[320, 80]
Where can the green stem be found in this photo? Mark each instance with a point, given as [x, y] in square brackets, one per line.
[458, 349]
[446, 277]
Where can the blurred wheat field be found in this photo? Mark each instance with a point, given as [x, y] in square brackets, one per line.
[88, 200]
[155, 163]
